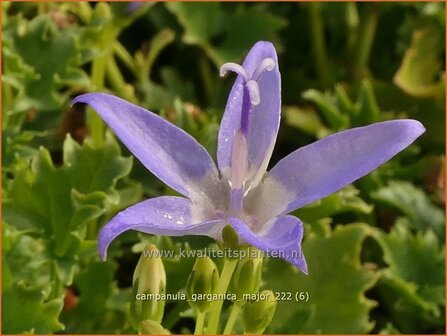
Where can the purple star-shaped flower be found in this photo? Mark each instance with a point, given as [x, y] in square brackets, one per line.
[239, 191]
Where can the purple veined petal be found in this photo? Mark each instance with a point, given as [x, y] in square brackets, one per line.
[170, 153]
[281, 238]
[325, 166]
[166, 215]
[264, 118]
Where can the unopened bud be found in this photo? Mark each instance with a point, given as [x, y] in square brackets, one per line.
[202, 282]
[102, 12]
[149, 285]
[257, 315]
[247, 276]
[149, 327]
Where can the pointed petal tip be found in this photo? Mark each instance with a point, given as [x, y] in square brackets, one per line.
[103, 244]
[83, 98]
[417, 126]
[302, 265]
[411, 129]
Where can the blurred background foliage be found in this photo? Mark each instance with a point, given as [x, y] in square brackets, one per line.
[376, 249]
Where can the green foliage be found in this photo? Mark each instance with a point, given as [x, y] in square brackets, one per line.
[241, 29]
[95, 310]
[60, 201]
[39, 79]
[413, 284]
[420, 66]
[335, 304]
[28, 311]
[55, 204]
[343, 65]
[414, 204]
[345, 200]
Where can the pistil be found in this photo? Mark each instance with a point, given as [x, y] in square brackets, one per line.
[251, 97]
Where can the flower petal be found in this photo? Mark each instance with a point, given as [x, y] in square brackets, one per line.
[167, 215]
[170, 153]
[282, 238]
[264, 117]
[319, 169]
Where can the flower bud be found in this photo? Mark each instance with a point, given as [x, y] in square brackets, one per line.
[102, 12]
[257, 315]
[149, 327]
[149, 285]
[202, 281]
[247, 276]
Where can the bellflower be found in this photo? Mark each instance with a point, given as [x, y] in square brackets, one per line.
[239, 191]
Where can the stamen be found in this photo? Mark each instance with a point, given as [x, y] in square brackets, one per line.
[235, 68]
[253, 91]
[266, 64]
[239, 157]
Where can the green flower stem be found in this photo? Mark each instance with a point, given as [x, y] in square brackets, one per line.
[318, 43]
[199, 323]
[216, 306]
[117, 81]
[365, 39]
[171, 316]
[94, 122]
[234, 313]
[352, 23]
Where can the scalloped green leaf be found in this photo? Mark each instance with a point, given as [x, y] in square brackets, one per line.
[414, 203]
[96, 286]
[25, 310]
[60, 201]
[336, 285]
[200, 20]
[53, 68]
[243, 27]
[412, 287]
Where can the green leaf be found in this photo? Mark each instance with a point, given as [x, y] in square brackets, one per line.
[369, 110]
[18, 147]
[327, 105]
[415, 204]
[336, 284]
[199, 20]
[26, 311]
[306, 120]
[26, 259]
[96, 287]
[345, 200]
[412, 287]
[243, 27]
[60, 201]
[421, 66]
[54, 67]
